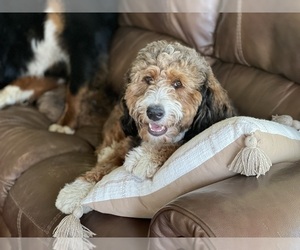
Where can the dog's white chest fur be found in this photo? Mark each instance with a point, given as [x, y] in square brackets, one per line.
[46, 52]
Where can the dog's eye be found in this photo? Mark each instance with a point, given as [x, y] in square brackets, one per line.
[148, 79]
[177, 84]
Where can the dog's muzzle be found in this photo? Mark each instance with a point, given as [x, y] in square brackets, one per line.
[156, 113]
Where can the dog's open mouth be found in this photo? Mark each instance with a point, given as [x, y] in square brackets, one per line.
[156, 129]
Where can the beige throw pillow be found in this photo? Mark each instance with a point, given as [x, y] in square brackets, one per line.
[202, 161]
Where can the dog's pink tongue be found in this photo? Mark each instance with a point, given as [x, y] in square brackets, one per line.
[156, 127]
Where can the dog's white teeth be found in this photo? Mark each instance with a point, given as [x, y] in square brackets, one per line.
[156, 129]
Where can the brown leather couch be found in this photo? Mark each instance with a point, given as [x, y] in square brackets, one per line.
[254, 56]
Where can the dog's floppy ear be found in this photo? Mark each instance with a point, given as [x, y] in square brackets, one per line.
[215, 106]
[127, 123]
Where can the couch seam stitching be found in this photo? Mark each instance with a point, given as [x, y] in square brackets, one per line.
[52, 222]
[240, 53]
[26, 214]
[19, 221]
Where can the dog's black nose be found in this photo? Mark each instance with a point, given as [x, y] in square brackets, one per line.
[155, 112]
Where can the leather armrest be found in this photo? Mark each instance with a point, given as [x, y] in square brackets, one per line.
[240, 206]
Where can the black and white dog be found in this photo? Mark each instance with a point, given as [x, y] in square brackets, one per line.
[36, 49]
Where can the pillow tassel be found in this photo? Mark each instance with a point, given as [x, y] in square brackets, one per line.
[251, 160]
[286, 120]
[71, 234]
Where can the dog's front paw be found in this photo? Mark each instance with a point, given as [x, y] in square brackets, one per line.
[140, 164]
[61, 129]
[71, 195]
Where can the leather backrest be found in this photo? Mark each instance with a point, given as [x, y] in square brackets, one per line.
[268, 41]
[195, 29]
[259, 62]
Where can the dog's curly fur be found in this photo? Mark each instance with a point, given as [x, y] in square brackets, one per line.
[171, 95]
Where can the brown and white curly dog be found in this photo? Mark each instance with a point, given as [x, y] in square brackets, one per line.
[171, 95]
